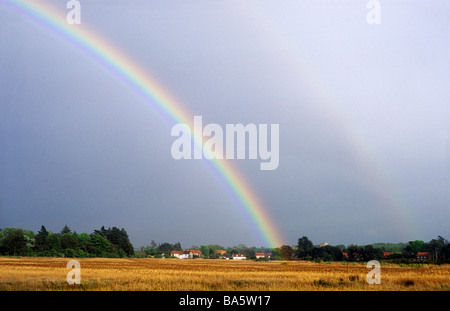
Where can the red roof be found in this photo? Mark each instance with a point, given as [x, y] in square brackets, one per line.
[260, 254]
[193, 251]
[175, 252]
[423, 254]
[238, 255]
[221, 251]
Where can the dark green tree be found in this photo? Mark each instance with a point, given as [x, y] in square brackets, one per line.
[40, 240]
[165, 248]
[101, 245]
[69, 240]
[286, 252]
[102, 232]
[327, 253]
[445, 248]
[304, 247]
[118, 238]
[413, 247]
[85, 243]
[65, 230]
[354, 253]
[438, 248]
[368, 253]
[54, 242]
[205, 250]
[126, 245]
[14, 242]
[177, 247]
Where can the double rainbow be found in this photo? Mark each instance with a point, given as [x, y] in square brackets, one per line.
[128, 71]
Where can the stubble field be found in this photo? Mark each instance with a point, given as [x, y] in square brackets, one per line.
[138, 274]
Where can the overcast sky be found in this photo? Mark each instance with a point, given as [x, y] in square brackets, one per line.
[363, 112]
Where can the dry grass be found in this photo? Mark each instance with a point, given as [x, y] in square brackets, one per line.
[41, 274]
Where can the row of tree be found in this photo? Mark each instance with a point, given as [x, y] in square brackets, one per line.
[114, 242]
[305, 250]
[111, 242]
[438, 248]
[208, 251]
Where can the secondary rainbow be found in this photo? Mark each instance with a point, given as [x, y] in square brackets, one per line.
[326, 98]
[130, 73]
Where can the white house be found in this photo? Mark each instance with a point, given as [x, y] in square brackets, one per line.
[176, 254]
[239, 256]
[186, 254]
[191, 253]
[260, 255]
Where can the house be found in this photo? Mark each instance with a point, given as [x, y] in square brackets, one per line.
[423, 256]
[191, 253]
[196, 253]
[221, 253]
[355, 256]
[387, 254]
[260, 255]
[323, 244]
[239, 257]
[185, 255]
[176, 254]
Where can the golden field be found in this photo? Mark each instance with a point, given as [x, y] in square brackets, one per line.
[139, 274]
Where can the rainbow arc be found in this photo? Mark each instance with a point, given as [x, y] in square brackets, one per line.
[121, 65]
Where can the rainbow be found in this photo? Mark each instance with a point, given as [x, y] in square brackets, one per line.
[326, 99]
[130, 73]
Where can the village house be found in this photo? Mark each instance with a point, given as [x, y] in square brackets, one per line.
[239, 257]
[221, 253]
[387, 254]
[186, 254]
[345, 256]
[176, 254]
[191, 253]
[422, 256]
[262, 255]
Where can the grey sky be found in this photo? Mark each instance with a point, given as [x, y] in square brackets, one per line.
[363, 114]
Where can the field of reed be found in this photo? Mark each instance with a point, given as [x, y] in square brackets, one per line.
[148, 274]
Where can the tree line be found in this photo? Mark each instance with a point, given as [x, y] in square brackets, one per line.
[159, 250]
[439, 250]
[114, 242]
[111, 242]
[305, 250]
